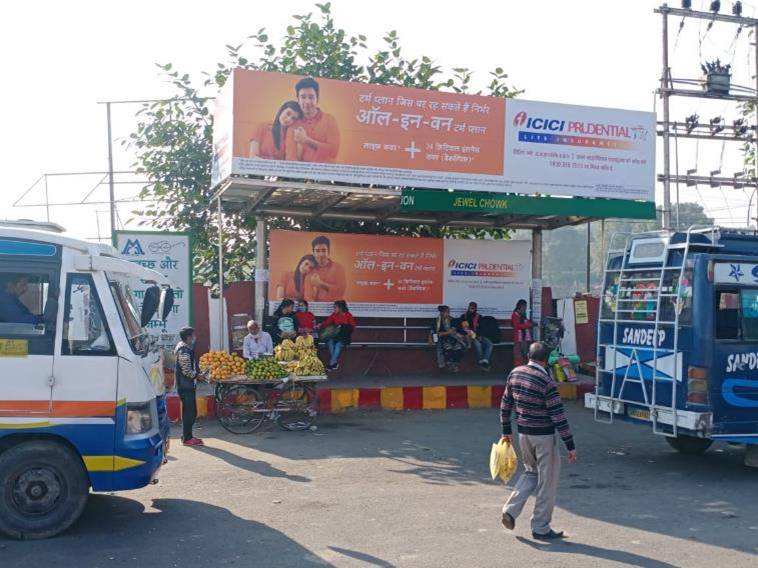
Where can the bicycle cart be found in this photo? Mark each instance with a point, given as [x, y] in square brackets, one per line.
[244, 404]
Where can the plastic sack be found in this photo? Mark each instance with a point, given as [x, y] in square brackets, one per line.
[558, 374]
[503, 460]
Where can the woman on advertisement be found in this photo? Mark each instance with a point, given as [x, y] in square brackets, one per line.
[293, 285]
[268, 140]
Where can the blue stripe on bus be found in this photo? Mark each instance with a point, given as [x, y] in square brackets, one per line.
[22, 248]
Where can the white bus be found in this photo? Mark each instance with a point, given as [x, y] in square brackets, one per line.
[82, 400]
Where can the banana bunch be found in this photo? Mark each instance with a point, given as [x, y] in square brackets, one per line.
[285, 351]
[304, 341]
[310, 365]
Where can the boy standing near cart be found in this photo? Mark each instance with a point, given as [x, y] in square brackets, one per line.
[187, 373]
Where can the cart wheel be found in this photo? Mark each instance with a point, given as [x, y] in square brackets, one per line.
[236, 409]
[296, 411]
[689, 444]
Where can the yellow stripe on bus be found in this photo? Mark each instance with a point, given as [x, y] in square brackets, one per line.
[109, 463]
[22, 425]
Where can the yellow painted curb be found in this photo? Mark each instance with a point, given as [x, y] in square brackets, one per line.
[567, 391]
[434, 398]
[392, 398]
[479, 396]
[342, 399]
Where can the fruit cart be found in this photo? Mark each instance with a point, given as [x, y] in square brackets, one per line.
[280, 388]
[244, 404]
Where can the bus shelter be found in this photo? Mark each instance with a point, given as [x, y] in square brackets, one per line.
[266, 198]
[389, 155]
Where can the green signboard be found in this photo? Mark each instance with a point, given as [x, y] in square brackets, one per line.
[507, 204]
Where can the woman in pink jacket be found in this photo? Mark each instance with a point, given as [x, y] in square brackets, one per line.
[522, 333]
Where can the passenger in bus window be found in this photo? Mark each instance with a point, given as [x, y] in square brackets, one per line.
[12, 309]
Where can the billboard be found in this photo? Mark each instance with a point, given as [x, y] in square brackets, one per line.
[170, 254]
[276, 124]
[384, 276]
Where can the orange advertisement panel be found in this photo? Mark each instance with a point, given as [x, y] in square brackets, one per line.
[312, 128]
[367, 125]
[363, 269]
[385, 276]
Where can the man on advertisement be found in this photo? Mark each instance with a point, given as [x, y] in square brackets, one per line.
[327, 283]
[316, 133]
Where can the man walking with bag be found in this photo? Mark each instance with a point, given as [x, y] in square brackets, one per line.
[533, 394]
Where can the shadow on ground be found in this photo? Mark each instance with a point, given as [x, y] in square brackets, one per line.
[174, 532]
[626, 475]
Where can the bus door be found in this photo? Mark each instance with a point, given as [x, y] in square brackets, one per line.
[734, 373]
[86, 360]
[29, 284]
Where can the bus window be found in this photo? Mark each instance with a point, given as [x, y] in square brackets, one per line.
[28, 309]
[84, 329]
[728, 314]
[610, 295]
[749, 302]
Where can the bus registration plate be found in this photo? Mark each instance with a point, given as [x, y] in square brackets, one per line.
[639, 414]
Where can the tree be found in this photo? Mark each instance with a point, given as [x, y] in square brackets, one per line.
[565, 250]
[173, 142]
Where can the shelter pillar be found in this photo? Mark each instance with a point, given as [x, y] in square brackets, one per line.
[221, 319]
[261, 268]
[536, 284]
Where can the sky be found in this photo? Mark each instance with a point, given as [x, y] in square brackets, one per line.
[59, 59]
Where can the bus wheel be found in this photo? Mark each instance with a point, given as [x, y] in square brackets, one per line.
[43, 489]
[689, 444]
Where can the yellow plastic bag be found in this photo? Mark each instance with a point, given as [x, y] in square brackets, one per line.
[503, 460]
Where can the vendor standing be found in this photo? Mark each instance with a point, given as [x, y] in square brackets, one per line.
[257, 342]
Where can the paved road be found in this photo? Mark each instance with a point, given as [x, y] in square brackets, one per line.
[383, 490]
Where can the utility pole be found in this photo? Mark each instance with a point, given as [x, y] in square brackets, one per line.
[716, 85]
[111, 189]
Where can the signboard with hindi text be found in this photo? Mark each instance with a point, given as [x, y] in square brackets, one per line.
[276, 124]
[387, 276]
[171, 255]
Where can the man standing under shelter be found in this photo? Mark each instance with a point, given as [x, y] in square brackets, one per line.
[532, 393]
[317, 132]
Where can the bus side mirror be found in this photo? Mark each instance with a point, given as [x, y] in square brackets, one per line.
[167, 302]
[150, 302]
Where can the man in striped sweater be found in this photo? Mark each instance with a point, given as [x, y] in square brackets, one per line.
[532, 393]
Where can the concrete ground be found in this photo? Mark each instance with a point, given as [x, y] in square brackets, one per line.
[413, 489]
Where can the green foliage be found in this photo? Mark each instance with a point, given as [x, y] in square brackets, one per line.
[173, 138]
[565, 249]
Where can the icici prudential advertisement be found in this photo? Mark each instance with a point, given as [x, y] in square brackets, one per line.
[298, 127]
[385, 276]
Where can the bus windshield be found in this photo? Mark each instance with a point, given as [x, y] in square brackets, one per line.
[129, 314]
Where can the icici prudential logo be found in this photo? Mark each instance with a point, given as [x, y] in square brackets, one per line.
[519, 119]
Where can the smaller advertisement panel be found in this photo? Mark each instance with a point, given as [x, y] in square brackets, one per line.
[385, 276]
[169, 254]
[494, 274]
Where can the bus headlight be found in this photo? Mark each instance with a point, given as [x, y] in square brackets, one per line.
[139, 418]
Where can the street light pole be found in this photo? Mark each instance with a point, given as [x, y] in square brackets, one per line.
[111, 189]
